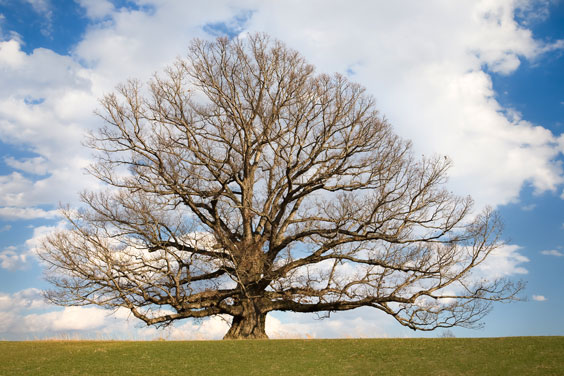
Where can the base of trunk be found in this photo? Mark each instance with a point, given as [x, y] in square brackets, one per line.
[247, 327]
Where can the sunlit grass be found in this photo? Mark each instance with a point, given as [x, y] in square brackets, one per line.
[440, 356]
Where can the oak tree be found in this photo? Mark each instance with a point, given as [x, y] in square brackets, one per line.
[240, 182]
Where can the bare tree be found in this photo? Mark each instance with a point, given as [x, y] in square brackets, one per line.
[239, 182]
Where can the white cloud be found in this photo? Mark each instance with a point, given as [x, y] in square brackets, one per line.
[14, 213]
[36, 166]
[70, 318]
[96, 9]
[39, 234]
[43, 8]
[212, 328]
[532, 12]
[539, 298]
[85, 320]
[552, 252]
[11, 259]
[529, 207]
[19, 257]
[503, 262]
[12, 187]
[10, 54]
[366, 323]
[40, 6]
[46, 107]
[25, 314]
[423, 62]
[28, 299]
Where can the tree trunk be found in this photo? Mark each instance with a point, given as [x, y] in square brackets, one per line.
[249, 325]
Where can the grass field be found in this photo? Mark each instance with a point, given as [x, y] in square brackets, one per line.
[441, 356]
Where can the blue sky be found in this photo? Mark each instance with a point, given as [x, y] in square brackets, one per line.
[479, 81]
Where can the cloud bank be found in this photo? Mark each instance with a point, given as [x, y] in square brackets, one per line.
[428, 65]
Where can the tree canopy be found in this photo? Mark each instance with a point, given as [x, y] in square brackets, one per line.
[240, 182]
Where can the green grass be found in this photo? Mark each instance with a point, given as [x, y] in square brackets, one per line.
[441, 356]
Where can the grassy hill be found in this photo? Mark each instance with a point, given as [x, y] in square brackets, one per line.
[441, 356]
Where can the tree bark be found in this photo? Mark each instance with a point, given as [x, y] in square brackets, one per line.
[249, 325]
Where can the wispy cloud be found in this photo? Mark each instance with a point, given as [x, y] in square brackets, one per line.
[539, 298]
[44, 9]
[15, 213]
[529, 207]
[552, 252]
[533, 12]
